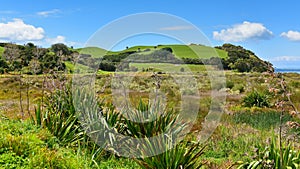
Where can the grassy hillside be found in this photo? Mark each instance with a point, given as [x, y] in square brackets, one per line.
[71, 67]
[182, 51]
[1, 51]
[94, 51]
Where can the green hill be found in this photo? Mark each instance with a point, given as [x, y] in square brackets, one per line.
[194, 51]
[1, 50]
[95, 52]
[232, 57]
[181, 51]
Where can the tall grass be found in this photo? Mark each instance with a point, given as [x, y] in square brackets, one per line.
[274, 157]
[263, 120]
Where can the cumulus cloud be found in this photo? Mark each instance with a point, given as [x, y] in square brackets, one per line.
[58, 39]
[286, 58]
[48, 13]
[243, 32]
[48, 41]
[21, 33]
[17, 30]
[291, 35]
[176, 28]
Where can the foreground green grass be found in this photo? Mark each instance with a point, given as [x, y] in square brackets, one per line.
[23, 145]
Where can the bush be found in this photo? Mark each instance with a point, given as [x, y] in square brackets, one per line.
[167, 49]
[256, 99]
[229, 84]
[295, 84]
[107, 66]
[239, 88]
[242, 65]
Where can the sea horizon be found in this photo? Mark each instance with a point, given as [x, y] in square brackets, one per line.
[287, 70]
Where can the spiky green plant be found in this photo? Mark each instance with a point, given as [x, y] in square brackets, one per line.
[257, 99]
[148, 121]
[161, 130]
[60, 117]
[37, 119]
[183, 155]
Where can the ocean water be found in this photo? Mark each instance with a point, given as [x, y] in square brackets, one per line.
[288, 70]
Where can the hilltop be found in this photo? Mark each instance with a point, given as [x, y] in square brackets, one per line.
[232, 57]
[180, 51]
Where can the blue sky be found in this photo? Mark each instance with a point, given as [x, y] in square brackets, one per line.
[270, 29]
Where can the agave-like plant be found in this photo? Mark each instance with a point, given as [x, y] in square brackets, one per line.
[271, 158]
[148, 121]
[60, 118]
[37, 119]
[184, 155]
[160, 131]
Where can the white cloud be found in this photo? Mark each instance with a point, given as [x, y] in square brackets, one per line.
[286, 58]
[48, 41]
[17, 30]
[176, 28]
[291, 35]
[243, 32]
[21, 33]
[58, 39]
[48, 13]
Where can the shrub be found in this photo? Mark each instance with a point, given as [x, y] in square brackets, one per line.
[242, 65]
[167, 49]
[181, 69]
[107, 66]
[1, 70]
[240, 88]
[256, 99]
[229, 84]
[295, 84]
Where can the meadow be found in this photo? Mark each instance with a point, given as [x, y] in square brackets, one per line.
[41, 139]
[189, 112]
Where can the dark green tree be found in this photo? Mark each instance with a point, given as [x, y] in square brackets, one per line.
[60, 49]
